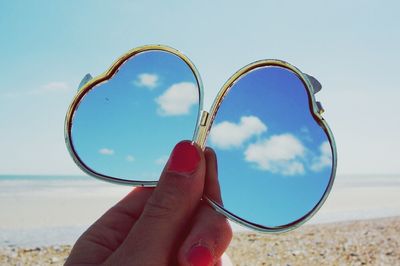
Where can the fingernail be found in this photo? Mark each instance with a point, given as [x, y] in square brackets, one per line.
[200, 256]
[184, 158]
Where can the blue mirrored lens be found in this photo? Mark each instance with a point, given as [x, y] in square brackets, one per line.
[274, 157]
[127, 126]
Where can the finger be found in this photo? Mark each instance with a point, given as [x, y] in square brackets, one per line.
[109, 231]
[211, 233]
[211, 184]
[167, 214]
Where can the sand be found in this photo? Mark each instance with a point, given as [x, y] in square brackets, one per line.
[365, 242]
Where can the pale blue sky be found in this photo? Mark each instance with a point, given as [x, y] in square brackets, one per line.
[352, 47]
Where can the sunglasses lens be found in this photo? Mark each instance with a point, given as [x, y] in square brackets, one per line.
[274, 157]
[125, 127]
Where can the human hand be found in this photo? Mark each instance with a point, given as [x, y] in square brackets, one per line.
[166, 225]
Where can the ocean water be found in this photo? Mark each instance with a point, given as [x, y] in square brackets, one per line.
[46, 210]
[55, 186]
[355, 197]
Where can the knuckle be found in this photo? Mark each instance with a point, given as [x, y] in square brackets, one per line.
[228, 231]
[222, 230]
[165, 202]
[222, 237]
[157, 209]
[225, 228]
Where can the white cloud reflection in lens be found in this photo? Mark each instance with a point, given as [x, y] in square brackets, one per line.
[281, 154]
[106, 151]
[147, 80]
[226, 135]
[324, 159]
[177, 99]
[162, 160]
[130, 158]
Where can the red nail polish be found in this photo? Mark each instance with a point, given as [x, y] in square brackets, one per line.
[184, 158]
[200, 256]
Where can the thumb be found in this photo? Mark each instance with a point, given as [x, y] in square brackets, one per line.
[166, 217]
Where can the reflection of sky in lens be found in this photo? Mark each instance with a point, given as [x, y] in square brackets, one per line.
[127, 127]
[269, 149]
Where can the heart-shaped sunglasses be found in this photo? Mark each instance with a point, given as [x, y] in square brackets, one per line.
[276, 153]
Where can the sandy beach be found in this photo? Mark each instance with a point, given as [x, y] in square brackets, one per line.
[41, 218]
[365, 242]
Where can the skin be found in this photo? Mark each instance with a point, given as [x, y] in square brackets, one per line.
[159, 226]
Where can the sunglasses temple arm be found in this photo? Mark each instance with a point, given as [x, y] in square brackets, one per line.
[315, 83]
[84, 80]
[316, 88]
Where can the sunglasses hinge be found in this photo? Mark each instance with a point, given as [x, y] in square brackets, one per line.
[204, 118]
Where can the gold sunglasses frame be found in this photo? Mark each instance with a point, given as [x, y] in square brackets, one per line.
[203, 125]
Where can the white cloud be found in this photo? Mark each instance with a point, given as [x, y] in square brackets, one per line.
[305, 134]
[147, 80]
[55, 86]
[130, 158]
[162, 160]
[51, 87]
[278, 154]
[178, 99]
[325, 158]
[106, 151]
[227, 135]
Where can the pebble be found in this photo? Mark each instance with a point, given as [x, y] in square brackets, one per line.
[365, 242]
[345, 243]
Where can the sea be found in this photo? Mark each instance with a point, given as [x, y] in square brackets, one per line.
[56, 210]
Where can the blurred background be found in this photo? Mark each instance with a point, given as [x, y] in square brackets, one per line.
[47, 47]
